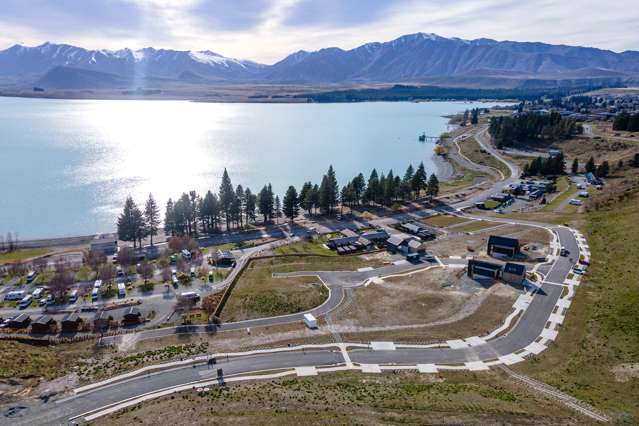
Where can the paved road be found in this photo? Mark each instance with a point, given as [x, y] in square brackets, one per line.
[526, 331]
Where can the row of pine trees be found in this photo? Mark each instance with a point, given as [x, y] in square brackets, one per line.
[232, 207]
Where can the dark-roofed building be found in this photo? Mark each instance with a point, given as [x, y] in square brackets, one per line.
[44, 324]
[406, 244]
[132, 316]
[223, 258]
[503, 246]
[481, 269]
[102, 321]
[71, 322]
[378, 236]
[335, 243]
[20, 321]
[514, 273]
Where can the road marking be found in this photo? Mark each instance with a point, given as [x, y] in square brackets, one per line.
[556, 318]
[439, 261]
[476, 366]
[475, 341]
[400, 262]
[305, 371]
[457, 344]
[454, 257]
[535, 348]
[564, 303]
[370, 368]
[549, 334]
[511, 359]
[366, 269]
[383, 346]
[427, 368]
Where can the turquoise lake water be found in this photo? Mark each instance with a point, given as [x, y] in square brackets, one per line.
[67, 165]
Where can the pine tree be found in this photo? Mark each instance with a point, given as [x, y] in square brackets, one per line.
[590, 165]
[418, 182]
[250, 205]
[278, 207]
[291, 203]
[575, 166]
[227, 195]
[372, 188]
[308, 186]
[152, 217]
[329, 192]
[169, 219]
[130, 222]
[265, 202]
[359, 186]
[433, 186]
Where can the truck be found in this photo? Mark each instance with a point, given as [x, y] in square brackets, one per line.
[310, 321]
[121, 290]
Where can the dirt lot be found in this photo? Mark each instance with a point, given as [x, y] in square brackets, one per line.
[427, 297]
[475, 244]
[350, 398]
[444, 220]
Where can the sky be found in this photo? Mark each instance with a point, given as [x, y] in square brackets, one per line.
[267, 30]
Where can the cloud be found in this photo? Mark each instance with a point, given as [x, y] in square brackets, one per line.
[230, 15]
[339, 13]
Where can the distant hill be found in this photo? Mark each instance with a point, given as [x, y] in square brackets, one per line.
[415, 58]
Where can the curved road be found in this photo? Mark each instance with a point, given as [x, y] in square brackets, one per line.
[525, 333]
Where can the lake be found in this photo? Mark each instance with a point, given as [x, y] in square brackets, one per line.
[66, 166]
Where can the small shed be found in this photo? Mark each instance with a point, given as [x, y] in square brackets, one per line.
[503, 246]
[378, 236]
[514, 273]
[44, 324]
[20, 321]
[71, 322]
[223, 258]
[132, 316]
[480, 269]
[102, 321]
[107, 246]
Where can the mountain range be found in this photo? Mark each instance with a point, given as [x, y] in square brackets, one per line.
[414, 58]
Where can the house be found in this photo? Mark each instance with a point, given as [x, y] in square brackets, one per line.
[376, 237]
[44, 324]
[132, 316]
[107, 246]
[223, 258]
[514, 273]
[71, 322]
[418, 229]
[405, 244]
[503, 246]
[479, 269]
[101, 321]
[335, 243]
[19, 321]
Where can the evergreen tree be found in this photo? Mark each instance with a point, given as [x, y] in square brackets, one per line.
[265, 202]
[603, 169]
[474, 116]
[152, 217]
[590, 165]
[241, 201]
[169, 219]
[620, 165]
[359, 186]
[291, 203]
[372, 189]
[433, 186]
[308, 186]
[227, 196]
[329, 192]
[575, 166]
[250, 205]
[635, 160]
[419, 180]
[130, 222]
[278, 207]
[209, 212]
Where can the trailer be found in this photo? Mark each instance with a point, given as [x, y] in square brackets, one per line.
[310, 321]
[121, 290]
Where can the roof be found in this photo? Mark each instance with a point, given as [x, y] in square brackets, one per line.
[44, 320]
[21, 318]
[101, 315]
[503, 241]
[411, 227]
[396, 239]
[72, 317]
[133, 311]
[515, 268]
[223, 255]
[348, 232]
[375, 235]
[485, 265]
[414, 244]
[343, 241]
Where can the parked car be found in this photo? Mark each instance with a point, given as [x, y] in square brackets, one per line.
[575, 202]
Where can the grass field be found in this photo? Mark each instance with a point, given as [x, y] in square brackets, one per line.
[22, 254]
[596, 356]
[444, 220]
[307, 247]
[475, 225]
[350, 398]
[474, 152]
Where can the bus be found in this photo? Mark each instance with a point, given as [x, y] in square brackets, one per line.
[15, 295]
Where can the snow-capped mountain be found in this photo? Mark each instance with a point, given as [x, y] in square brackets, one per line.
[410, 58]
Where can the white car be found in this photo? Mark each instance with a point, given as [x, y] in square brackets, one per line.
[575, 202]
